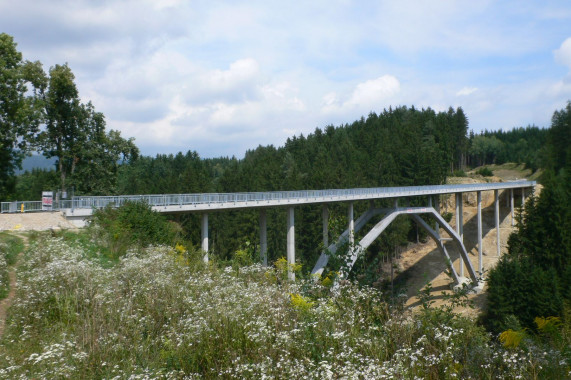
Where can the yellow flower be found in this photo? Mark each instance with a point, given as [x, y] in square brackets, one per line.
[511, 338]
[547, 324]
[300, 302]
[180, 248]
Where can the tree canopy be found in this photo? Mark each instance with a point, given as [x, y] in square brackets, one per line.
[20, 114]
[42, 112]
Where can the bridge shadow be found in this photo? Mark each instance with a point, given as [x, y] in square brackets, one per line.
[432, 266]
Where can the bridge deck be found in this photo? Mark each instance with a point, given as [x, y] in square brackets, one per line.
[174, 203]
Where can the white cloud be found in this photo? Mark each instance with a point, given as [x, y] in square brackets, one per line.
[373, 92]
[465, 91]
[235, 74]
[367, 96]
[563, 54]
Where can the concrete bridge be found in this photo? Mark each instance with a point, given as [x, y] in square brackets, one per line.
[79, 209]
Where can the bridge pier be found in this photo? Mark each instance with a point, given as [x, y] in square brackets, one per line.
[497, 210]
[350, 216]
[479, 216]
[325, 216]
[512, 205]
[460, 226]
[204, 234]
[263, 238]
[290, 243]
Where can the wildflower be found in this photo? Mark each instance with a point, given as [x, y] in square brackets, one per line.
[511, 338]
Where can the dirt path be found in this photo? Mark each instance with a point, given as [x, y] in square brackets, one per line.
[6, 302]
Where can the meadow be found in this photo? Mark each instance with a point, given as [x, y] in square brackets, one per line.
[160, 312]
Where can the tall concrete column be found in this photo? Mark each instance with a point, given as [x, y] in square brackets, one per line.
[459, 227]
[290, 243]
[205, 236]
[437, 208]
[497, 207]
[263, 238]
[512, 205]
[351, 219]
[480, 251]
[325, 216]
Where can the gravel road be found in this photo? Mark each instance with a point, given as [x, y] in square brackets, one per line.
[39, 221]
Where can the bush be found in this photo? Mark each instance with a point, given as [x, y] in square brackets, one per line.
[459, 173]
[133, 224]
[485, 172]
[447, 216]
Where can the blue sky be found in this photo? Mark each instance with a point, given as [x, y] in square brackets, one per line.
[221, 77]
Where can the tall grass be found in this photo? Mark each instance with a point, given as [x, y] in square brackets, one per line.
[160, 312]
[10, 247]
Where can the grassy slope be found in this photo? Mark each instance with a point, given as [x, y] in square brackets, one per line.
[161, 312]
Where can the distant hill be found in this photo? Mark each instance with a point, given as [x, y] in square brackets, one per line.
[37, 162]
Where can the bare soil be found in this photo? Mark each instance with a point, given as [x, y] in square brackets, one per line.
[423, 263]
[40, 221]
[6, 302]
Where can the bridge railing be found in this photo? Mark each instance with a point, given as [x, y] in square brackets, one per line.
[30, 206]
[163, 200]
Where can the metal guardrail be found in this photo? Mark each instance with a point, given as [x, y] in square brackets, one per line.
[31, 206]
[309, 196]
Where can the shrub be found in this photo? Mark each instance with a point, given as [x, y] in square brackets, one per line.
[133, 224]
[447, 216]
[485, 172]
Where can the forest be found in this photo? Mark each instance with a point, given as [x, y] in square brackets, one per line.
[41, 112]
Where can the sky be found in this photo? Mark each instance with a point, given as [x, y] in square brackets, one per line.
[222, 77]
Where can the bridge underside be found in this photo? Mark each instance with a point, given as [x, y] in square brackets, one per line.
[356, 249]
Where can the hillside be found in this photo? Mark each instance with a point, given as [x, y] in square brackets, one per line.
[423, 262]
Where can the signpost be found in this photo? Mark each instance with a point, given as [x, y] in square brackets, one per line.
[47, 200]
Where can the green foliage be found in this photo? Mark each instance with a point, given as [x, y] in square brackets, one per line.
[20, 86]
[520, 145]
[485, 172]
[133, 223]
[75, 134]
[10, 247]
[533, 279]
[151, 316]
[30, 184]
[559, 139]
[244, 256]
[447, 216]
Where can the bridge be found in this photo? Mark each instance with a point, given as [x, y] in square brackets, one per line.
[80, 208]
